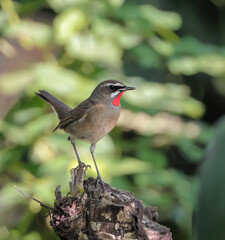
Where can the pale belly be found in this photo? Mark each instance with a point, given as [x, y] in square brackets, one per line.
[93, 129]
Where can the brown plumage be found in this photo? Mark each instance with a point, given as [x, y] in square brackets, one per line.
[93, 118]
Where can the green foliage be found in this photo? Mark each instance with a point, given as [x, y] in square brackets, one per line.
[67, 47]
[210, 210]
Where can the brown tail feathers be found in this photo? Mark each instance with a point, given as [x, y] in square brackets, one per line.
[59, 107]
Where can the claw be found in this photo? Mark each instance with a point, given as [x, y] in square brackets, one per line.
[85, 166]
[98, 180]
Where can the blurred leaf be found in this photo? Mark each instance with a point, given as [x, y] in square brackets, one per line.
[88, 47]
[128, 166]
[157, 177]
[162, 47]
[185, 65]
[3, 22]
[24, 115]
[68, 23]
[170, 20]
[12, 83]
[9, 197]
[210, 210]
[7, 158]
[191, 46]
[4, 232]
[146, 56]
[27, 134]
[61, 82]
[58, 5]
[191, 150]
[189, 65]
[113, 31]
[122, 183]
[33, 236]
[169, 97]
[30, 33]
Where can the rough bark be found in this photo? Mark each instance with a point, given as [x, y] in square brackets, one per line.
[92, 210]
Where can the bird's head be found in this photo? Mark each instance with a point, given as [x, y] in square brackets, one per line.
[110, 91]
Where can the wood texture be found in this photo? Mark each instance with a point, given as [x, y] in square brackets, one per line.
[103, 213]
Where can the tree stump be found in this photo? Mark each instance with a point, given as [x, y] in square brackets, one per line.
[96, 211]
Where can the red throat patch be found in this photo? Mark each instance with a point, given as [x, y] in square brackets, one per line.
[116, 100]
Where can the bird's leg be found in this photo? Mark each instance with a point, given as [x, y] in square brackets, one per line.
[92, 148]
[99, 179]
[78, 158]
[75, 150]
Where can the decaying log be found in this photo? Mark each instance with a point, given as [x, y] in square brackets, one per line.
[93, 212]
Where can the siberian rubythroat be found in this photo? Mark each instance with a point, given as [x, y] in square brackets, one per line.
[93, 118]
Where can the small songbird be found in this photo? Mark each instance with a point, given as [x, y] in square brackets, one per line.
[93, 118]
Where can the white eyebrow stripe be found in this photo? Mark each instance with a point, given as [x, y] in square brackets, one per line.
[114, 84]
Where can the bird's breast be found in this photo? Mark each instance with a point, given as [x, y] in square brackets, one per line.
[98, 122]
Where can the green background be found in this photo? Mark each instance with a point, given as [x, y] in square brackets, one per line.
[172, 51]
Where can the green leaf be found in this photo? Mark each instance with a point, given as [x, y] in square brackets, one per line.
[68, 23]
[30, 33]
[15, 82]
[169, 97]
[209, 214]
[170, 20]
[88, 47]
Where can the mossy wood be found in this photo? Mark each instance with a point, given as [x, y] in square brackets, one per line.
[91, 212]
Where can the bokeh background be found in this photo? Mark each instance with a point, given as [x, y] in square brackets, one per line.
[172, 51]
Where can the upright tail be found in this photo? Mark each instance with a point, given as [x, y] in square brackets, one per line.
[59, 107]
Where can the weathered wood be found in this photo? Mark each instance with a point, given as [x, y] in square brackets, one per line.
[103, 213]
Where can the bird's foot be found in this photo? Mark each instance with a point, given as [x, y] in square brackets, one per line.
[98, 181]
[83, 165]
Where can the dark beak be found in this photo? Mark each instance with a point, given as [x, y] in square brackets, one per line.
[127, 88]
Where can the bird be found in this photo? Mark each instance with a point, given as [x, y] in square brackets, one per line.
[93, 118]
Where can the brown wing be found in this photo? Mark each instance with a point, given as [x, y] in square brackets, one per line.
[75, 114]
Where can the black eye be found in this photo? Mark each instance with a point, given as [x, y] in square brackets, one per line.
[112, 87]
